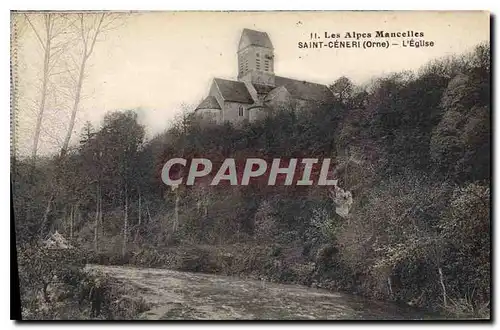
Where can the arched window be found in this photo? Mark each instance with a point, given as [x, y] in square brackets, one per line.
[240, 111]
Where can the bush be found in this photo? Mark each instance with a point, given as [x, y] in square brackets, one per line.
[55, 285]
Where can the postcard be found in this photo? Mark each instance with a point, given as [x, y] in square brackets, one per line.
[274, 165]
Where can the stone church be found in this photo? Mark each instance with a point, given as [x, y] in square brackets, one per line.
[258, 91]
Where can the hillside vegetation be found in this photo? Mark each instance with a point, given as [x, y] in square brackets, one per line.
[412, 147]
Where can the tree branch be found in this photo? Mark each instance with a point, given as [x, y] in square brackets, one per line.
[95, 35]
[36, 32]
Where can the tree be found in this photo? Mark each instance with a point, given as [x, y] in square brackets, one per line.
[88, 27]
[48, 29]
[119, 141]
[460, 142]
[342, 90]
[465, 226]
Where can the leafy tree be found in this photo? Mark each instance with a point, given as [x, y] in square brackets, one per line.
[342, 90]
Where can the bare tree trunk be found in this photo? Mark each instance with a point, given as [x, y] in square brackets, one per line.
[71, 221]
[443, 286]
[88, 42]
[206, 201]
[67, 219]
[100, 213]
[346, 166]
[38, 126]
[45, 292]
[75, 106]
[53, 43]
[45, 218]
[46, 45]
[149, 214]
[65, 223]
[96, 226]
[176, 210]
[139, 221]
[125, 225]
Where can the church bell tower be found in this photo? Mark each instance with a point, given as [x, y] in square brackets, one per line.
[256, 58]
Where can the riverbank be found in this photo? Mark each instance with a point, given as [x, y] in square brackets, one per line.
[56, 285]
[270, 263]
[174, 295]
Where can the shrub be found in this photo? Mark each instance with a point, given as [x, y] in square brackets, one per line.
[55, 285]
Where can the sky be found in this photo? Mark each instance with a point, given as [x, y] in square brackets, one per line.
[159, 63]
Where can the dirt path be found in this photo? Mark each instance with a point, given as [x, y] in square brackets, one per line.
[181, 295]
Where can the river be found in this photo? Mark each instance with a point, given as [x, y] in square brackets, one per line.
[187, 296]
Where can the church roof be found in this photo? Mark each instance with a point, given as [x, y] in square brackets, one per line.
[263, 89]
[210, 102]
[305, 90]
[254, 38]
[234, 91]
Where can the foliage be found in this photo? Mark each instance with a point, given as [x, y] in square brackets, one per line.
[413, 148]
[55, 285]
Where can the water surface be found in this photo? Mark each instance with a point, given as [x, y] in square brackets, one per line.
[182, 295]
